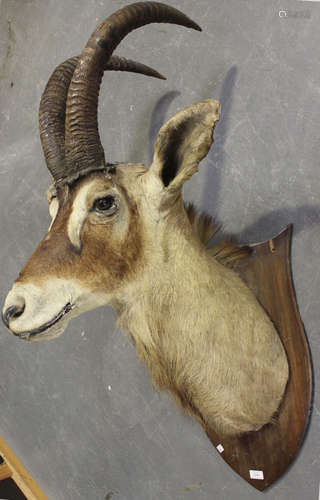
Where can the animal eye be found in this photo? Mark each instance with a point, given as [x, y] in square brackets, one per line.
[107, 204]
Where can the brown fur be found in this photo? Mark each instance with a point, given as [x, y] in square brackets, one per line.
[196, 325]
[227, 251]
[96, 262]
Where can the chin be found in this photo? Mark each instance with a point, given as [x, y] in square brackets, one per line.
[47, 334]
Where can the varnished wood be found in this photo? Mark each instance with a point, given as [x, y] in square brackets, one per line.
[5, 472]
[20, 475]
[273, 448]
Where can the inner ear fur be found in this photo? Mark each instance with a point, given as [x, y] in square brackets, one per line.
[184, 141]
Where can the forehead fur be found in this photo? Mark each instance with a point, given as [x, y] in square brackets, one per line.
[125, 175]
[108, 255]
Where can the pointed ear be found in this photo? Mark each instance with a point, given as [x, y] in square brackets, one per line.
[183, 142]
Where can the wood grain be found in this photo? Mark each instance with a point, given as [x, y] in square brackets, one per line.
[5, 472]
[20, 475]
[274, 447]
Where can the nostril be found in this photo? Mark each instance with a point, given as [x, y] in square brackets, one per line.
[12, 312]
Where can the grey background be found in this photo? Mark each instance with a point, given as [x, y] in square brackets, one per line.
[80, 411]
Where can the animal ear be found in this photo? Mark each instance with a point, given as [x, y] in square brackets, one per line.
[183, 142]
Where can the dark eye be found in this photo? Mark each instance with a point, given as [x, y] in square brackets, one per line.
[107, 204]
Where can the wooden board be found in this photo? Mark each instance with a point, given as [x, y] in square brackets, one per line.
[272, 449]
[19, 474]
[5, 472]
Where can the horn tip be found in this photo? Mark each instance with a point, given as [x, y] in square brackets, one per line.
[192, 24]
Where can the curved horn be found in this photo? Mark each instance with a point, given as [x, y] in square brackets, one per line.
[116, 63]
[84, 151]
[53, 103]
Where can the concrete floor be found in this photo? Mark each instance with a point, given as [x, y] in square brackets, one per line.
[80, 411]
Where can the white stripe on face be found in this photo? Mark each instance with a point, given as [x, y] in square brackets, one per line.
[53, 211]
[78, 214]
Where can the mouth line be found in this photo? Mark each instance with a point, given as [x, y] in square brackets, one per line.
[27, 335]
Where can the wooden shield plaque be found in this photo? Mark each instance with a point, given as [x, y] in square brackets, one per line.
[261, 457]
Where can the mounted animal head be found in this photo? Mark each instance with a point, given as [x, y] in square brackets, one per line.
[120, 235]
[111, 223]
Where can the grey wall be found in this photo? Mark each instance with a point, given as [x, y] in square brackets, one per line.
[80, 411]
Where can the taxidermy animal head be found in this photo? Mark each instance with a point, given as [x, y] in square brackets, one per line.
[121, 235]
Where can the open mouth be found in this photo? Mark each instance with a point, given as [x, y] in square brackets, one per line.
[33, 333]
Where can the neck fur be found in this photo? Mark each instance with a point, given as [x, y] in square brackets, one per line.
[205, 337]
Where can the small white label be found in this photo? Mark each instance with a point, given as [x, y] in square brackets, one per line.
[220, 448]
[256, 474]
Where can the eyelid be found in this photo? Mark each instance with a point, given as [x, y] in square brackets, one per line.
[96, 195]
[108, 212]
[104, 194]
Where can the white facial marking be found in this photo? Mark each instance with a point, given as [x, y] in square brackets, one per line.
[53, 210]
[43, 303]
[78, 215]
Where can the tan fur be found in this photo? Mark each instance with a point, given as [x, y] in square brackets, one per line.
[204, 337]
[198, 328]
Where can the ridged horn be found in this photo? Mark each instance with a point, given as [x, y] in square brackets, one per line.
[52, 110]
[84, 151]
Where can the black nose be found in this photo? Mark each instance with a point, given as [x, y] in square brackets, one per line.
[11, 312]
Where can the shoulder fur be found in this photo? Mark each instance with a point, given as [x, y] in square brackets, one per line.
[227, 250]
